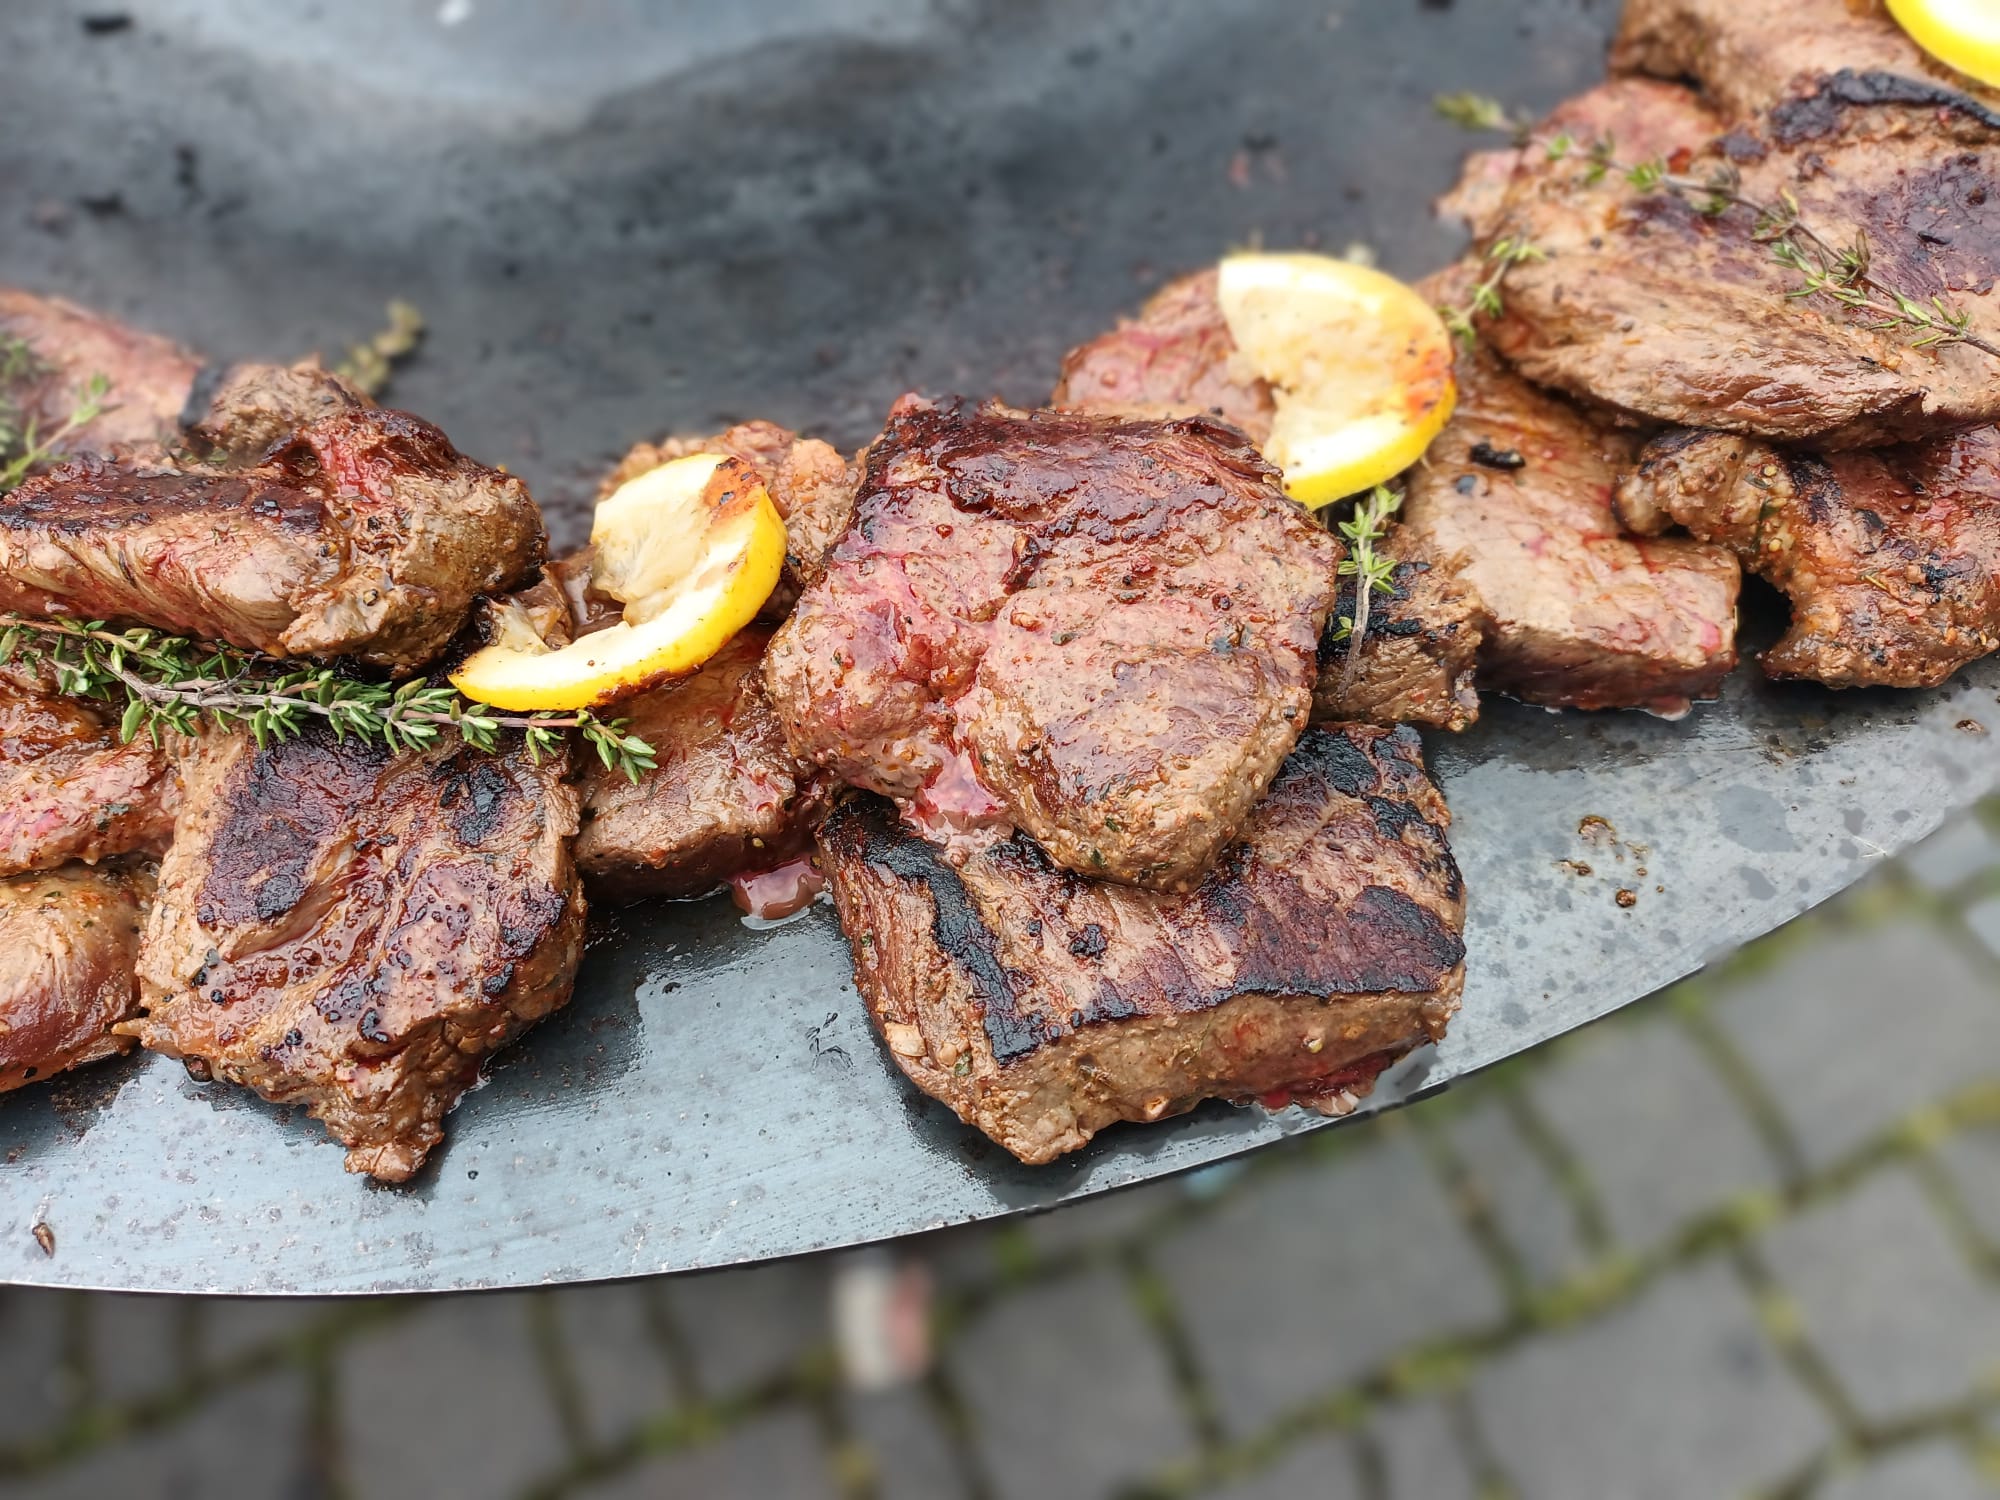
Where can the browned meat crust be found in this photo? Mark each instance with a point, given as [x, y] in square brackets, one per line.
[255, 407]
[149, 377]
[1099, 631]
[355, 932]
[1891, 557]
[1042, 1007]
[365, 533]
[1650, 306]
[1748, 55]
[809, 482]
[1419, 654]
[68, 940]
[1518, 488]
[1172, 360]
[68, 789]
[728, 795]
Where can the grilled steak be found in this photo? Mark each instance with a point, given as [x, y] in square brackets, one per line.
[1042, 1007]
[363, 533]
[253, 408]
[1748, 55]
[1578, 614]
[354, 931]
[728, 796]
[1175, 360]
[1100, 631]
[1891, 557]
[60, 347]
[68, 941]
[1649, 305]
[809, 482]
[68, 789]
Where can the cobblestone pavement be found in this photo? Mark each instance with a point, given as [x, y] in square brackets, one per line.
[1742, 1241]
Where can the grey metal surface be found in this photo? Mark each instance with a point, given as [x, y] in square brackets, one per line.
[625, 217]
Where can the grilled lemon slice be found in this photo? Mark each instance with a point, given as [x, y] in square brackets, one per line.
[1360, 364]
[692, 549]
[1961, 34]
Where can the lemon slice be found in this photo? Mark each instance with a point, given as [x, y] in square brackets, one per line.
[1961, 34]
[1359, 363]
[692, 549]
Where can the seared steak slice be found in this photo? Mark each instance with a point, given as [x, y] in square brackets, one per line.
[728, 795]
[149, 377]
[255, 407]
[1099, 631]
[809, 482]
[1748, 55]
[68, 940]
[365, 533]
[354, 931]
[68, 789]
[1648, 305]
[1042, 1007]
[1418, 657]
[1891, 557]
[1578, 614]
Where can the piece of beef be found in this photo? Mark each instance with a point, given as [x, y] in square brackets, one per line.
[728, 796]
[1100, 631]
[1578, 614]
[1651, 306]
[69, 938]
[1891, 557]
[51, 350]
[808, 481]
[68, 789]
[1419, 655]
[1042, 1007]
[365, 533]
[1748, 55]
[252, 408]
[355, 932]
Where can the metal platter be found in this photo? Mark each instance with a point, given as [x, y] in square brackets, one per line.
[623, 217]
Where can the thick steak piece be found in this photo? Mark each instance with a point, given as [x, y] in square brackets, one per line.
[363, 533]
[1177, 359]
[1748, 55]
[1578, 613]
[811, 484]
[1891, 557]
[1042, 1007]
[1646, 304]
[1097, 630]
[355, 932]
[728, 796]
[57, 348]
[69, 938]
[68, 789]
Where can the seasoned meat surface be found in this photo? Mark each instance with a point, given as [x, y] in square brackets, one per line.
[365, 534]
[1419, 655]
[1578, 614]
[1748, 55]
[68, 789]
[59, 347]
[68, 940]
[354, 931]
[1891, 557]
[728, 795]
[253, 407]
[1100, 631]
[809, 482]
[1646, 304]
[1042, 1007]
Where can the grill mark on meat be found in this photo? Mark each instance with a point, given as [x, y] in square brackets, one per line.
[263, 855]
[1819, 114]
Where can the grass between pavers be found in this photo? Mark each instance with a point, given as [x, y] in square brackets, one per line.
[1434, 1369]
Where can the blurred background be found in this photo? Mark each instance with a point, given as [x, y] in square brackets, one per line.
[1742, 1240]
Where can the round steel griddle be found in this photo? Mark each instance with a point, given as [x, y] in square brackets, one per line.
[623, 217]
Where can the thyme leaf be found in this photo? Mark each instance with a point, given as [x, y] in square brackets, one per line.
[1370, 570]
[24, 446]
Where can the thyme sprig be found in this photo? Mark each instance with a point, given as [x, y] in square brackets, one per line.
[24, 447]
[172, 683]
[1369, 569]
[1502, 256]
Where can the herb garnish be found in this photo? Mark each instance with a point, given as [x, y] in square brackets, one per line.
[169, 682]
[23, 446]
[1502, 256]
[369, 365]
[1368, 568]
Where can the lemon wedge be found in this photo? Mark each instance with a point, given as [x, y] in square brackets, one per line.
[1359, 363]
[1961, 34]
[692, 549]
